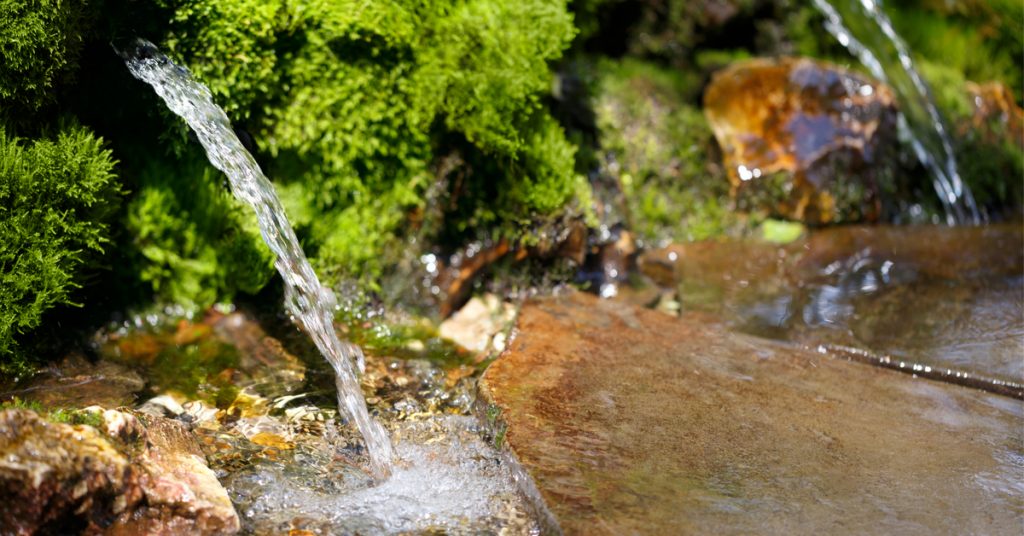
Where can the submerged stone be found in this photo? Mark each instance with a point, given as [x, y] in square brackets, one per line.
[210, 358]
[803, 139]
[76, 382]
[634, 422]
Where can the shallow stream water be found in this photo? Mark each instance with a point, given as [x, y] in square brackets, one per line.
[938, 296]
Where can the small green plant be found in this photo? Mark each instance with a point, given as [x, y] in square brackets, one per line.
[57, 415]
[57, 197]
[39, 46]
[196, 242]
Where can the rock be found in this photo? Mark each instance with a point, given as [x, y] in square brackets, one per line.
[477, 325]
[263, 358]
[210, 359]
[803, 139]
[147, 476]
[994, 103]
[182, 495]
[610, 262]
[75, 382]
[56, 477]
[634, 422]
[451, 280]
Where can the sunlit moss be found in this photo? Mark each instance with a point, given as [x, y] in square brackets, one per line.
[39, 46]
[196, 242]
[352, 102]
[57, 415]
[660, 147]
[57, 198]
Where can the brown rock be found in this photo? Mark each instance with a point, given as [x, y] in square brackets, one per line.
[994, 105]
[634, 422]
[803, 139]
[56, 477]
[75, 382]
[148, 476]
[182, 494]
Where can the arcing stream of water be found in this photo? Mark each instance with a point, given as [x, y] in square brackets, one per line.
[864, 29]
[309, 303]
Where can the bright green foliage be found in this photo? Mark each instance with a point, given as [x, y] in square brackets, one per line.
[198, 242]
[980, 39]
[990, 160]
[56, 199]
[39, 43]
[660, 146]
[58, 415]
[353, 101]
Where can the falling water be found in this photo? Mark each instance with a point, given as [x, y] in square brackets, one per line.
[309, 303]
[864, 29]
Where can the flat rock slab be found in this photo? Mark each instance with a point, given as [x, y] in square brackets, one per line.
[634, 422]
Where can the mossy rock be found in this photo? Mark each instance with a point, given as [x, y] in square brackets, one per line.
[805, 140]
[660, 148]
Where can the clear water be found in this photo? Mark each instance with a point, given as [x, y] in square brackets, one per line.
[948, 297]
[446, 480]
[864, 29]
[311, 305]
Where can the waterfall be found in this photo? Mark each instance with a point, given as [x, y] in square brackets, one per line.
[310, 304]
[864, 29]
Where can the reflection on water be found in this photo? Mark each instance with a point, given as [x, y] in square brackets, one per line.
[938, 296]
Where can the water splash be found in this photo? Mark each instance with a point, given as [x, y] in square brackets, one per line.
[310, 304]
[864, 29]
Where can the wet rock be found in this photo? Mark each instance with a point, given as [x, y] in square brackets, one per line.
[612, 258]
[263, 358]
[478, 326]
[211, 358]
[143, 476]
[803, 139]
[451, 280]
[76, 382]
[56, 477]
[634, 422]
[994, 105]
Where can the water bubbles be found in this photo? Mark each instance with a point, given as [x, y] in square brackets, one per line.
[446, 479]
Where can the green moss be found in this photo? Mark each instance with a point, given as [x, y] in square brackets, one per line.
[58, 415]
[989, 159]
[57, 197]
[661, 148]
[352, 102]
[196, 242]
[781, 232]
[40, 42]
[981, 40]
